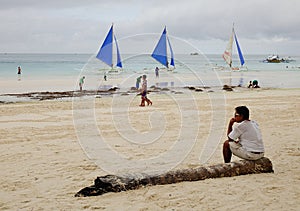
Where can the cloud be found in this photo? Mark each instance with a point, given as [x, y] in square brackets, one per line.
[80, 26]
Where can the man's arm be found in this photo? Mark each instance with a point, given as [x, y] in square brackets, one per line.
[229, 129]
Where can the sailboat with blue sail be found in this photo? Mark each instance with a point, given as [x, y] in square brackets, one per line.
[105, 53]
[227, 55]
[160, 52]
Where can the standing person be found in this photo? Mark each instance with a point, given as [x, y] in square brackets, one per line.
[138, 81]
[105, 77]
[19, 73]
[19, 70]
[81, 82]
[144, 92]
[156, 72]
[245, 139]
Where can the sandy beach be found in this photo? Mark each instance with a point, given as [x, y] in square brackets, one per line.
[43, 164]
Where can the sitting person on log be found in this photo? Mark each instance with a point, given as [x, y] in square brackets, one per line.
[244, 139]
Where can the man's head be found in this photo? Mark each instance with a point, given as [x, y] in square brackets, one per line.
[241, 113]
[144, 76]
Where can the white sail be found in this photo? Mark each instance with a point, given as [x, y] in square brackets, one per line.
[227, 55]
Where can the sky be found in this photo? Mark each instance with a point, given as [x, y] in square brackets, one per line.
[80, 26]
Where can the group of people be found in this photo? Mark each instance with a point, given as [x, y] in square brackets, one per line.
[244, 139]
[244, 136]
[253, 84]
[143, 89]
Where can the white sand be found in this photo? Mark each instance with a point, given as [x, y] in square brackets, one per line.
[43, 164]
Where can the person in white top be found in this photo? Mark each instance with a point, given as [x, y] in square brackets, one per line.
[244, 138]
[144, 92]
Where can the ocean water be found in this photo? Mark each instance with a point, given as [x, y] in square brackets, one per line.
[60, 72]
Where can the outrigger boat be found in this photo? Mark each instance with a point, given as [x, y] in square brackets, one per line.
[160, 52]
[227, 55]
[105, 53]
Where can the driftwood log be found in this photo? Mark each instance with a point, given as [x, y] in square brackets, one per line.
[112, 183]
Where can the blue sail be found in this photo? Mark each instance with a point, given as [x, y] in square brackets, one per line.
[172, 54]
[160, 51]
[119, 62]
[239, 50]
[105, 52]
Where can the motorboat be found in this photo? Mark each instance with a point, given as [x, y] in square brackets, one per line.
[273, 59]
[276, 59]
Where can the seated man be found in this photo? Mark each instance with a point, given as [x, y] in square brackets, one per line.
[250, 85]
[244, 140]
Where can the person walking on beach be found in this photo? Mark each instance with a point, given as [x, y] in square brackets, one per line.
[81, 82]
[157, 72]
[144, 92]
[138, 81]
[105, 77]
[245, 139]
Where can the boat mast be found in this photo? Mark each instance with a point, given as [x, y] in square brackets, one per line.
[112, 49]
[166, 37]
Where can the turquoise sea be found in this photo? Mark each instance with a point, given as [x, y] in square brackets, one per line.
[61, 71]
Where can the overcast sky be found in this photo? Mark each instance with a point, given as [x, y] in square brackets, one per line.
[79, 26]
